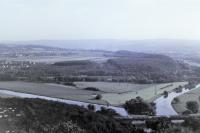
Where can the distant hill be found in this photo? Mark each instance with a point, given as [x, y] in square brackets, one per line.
[144, 62]
[130, 66]
[122, 65]
[146, 68]
[157, 45]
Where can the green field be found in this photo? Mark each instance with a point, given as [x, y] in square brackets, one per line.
[51, 90]
[148, 94]
[53, 59]
[113, 87]
[193, 95]
[113, 93]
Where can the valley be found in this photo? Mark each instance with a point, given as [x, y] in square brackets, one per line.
[121, 83]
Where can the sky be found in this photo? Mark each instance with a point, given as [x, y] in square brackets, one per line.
[99, 19]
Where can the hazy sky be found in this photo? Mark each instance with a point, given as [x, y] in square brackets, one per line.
[99, 19]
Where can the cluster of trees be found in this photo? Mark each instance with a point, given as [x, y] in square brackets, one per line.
[73, 63]
[65, 127]
[192, 107]
[139, 107]
[192, 84]
[40, 116]
[165, 93]
[140, 68]
[91, 89]
[164, 125]
[179, 89]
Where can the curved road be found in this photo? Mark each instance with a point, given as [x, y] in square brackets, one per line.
[119, 110]
[164, 105]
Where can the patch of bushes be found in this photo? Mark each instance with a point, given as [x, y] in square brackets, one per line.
[176, 100]
[69, 84]
[91, 107]
[187, 112]
[179, 89]
[39, 116]
[98, 97]
[139, 107]
[108, 112]
[165, 93]
[91, 89]
[193, 124]
[73, 63]
[192, 106]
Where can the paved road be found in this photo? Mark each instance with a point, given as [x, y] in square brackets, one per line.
[164, 106]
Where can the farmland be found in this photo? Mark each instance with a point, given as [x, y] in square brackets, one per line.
[113, 87]
[53, 59]
[113, 93]
[48, 64]
[44, 54]
[51, 90]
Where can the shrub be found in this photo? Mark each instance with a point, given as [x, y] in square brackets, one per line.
[98, 97]
[91, 107]
[91, 89]
[176, 100]
[165, 93]
[193, 106]
[187, 112]
[67, 127]
[192, 124]
[108, 112]
[179, 89]
[69, 84]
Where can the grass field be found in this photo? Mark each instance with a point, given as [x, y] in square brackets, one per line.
[148, 94]
[53, 59]
[113, 87]
[113, 93]
[193, 95]
[51, 90]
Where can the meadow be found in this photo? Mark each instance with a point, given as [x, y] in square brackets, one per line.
[149, 94]
[193, 95]
[112, 92]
